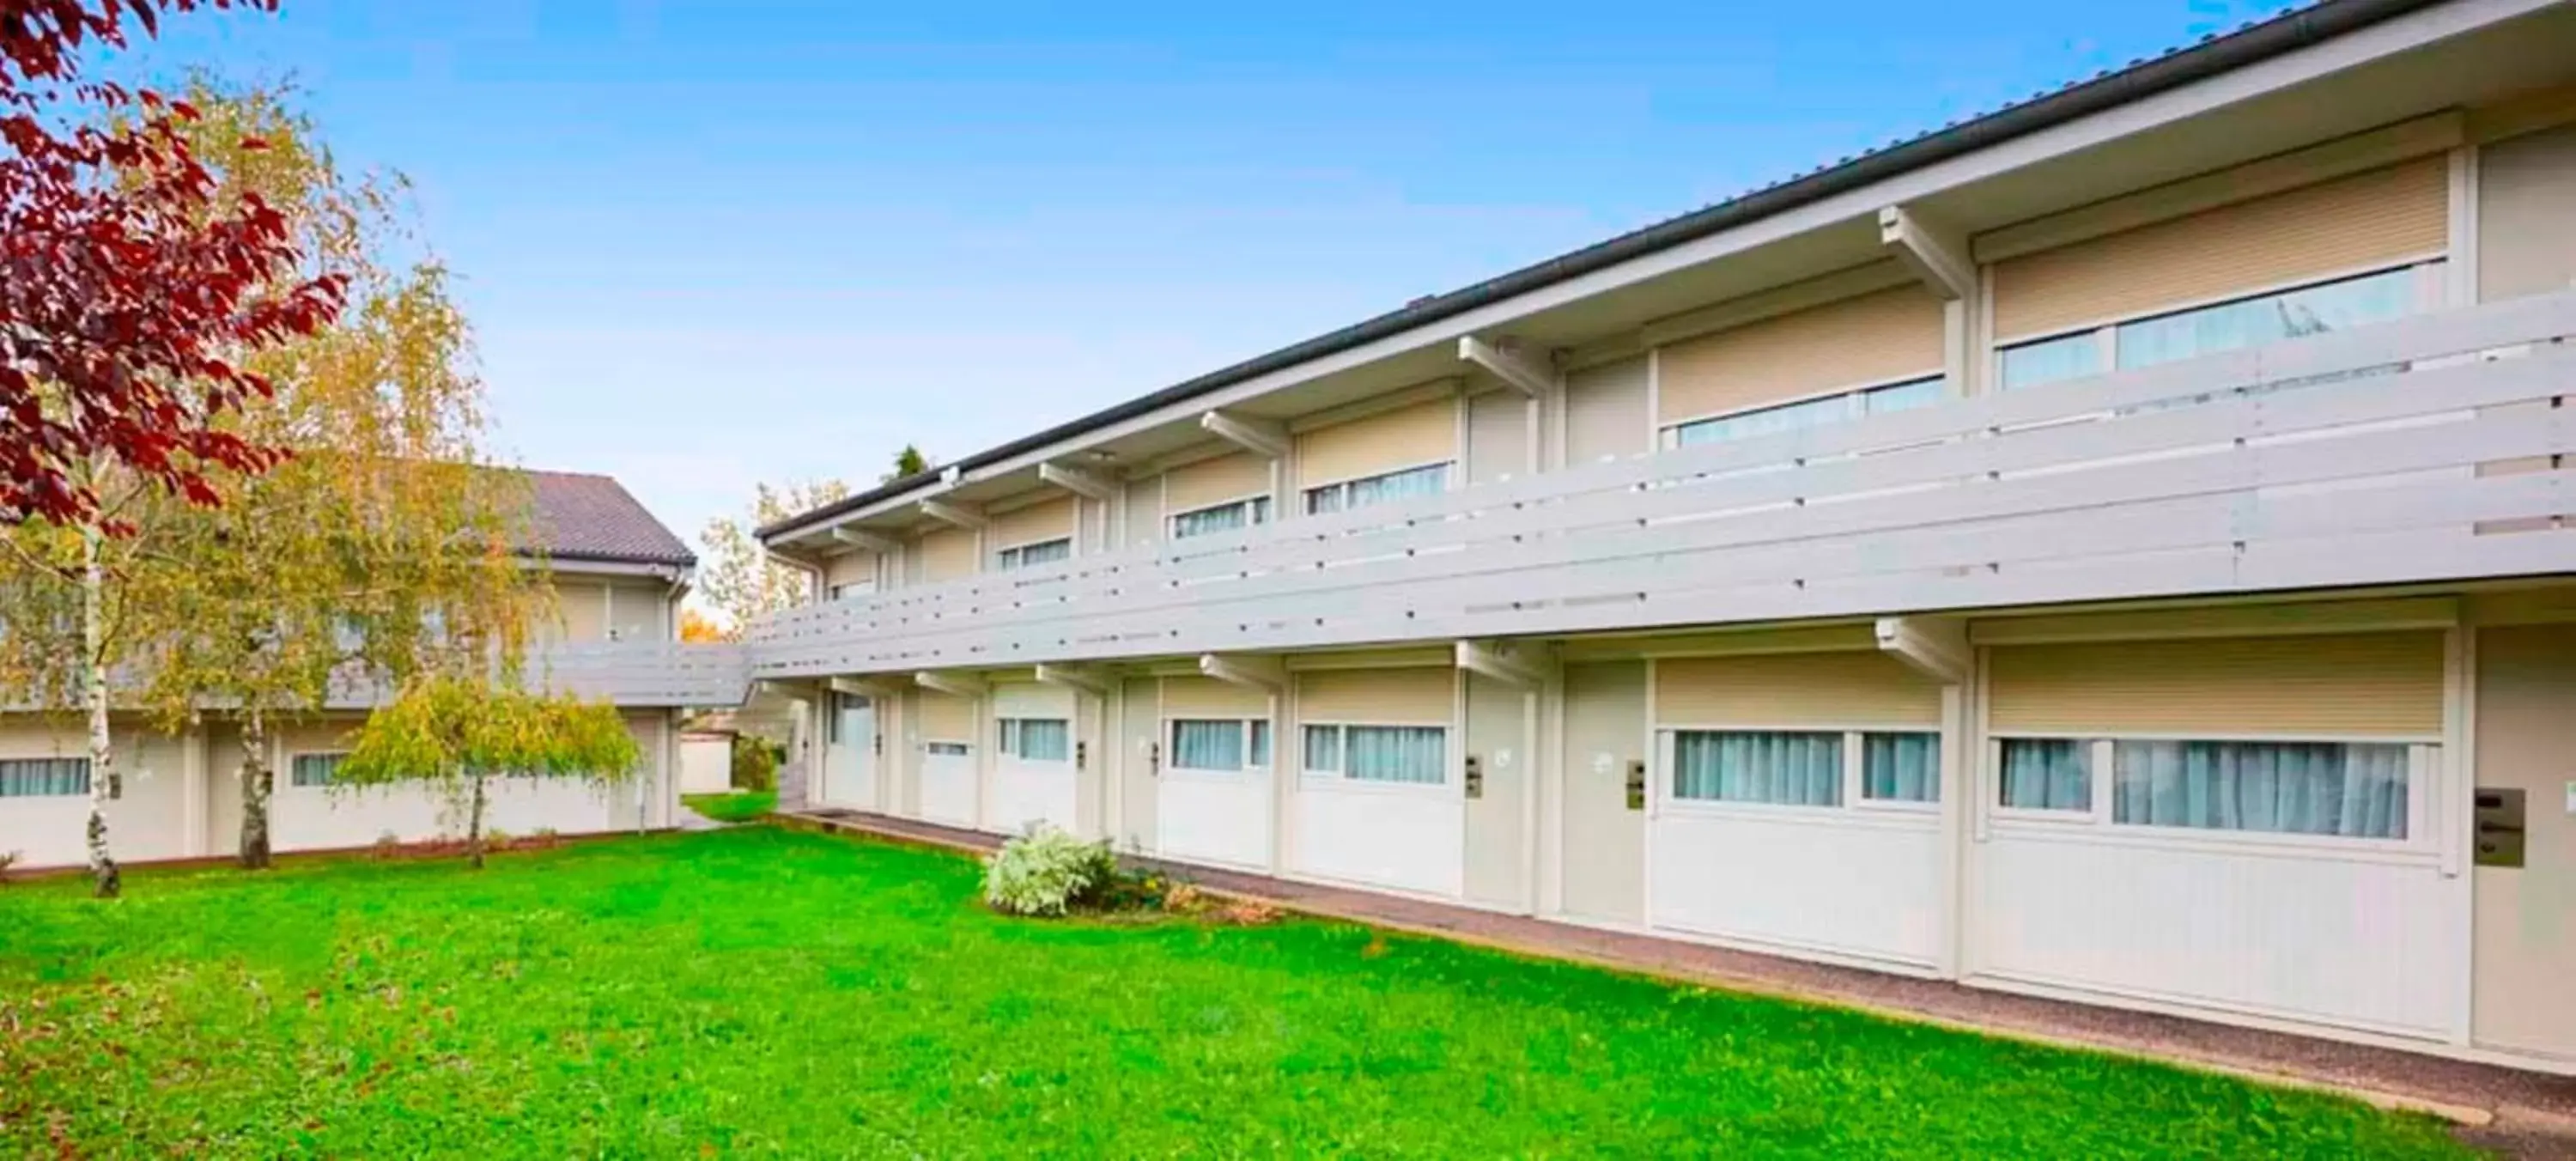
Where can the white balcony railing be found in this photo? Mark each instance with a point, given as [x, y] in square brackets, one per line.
[2342, 459]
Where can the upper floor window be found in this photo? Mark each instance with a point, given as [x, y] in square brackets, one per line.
[2208, 330]
[1033, 555]
[1226, 517]
[1427, 480]
[1804, 413]
[43, 777]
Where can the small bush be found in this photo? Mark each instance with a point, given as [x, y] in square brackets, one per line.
[1047, 872]
[9, 859]
[755, 763]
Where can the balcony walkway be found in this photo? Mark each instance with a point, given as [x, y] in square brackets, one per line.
[2522, 1113]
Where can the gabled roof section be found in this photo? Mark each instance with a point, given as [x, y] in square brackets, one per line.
[581, 516]
[2292, 29]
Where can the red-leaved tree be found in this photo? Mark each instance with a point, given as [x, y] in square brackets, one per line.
[128, 294]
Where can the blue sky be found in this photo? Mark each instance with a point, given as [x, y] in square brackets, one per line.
[710, 243]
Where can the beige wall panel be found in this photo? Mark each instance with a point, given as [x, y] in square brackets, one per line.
[1044, 520]
[1406, 437]
[1144, 508]
[2527, 215]
[1206, 697]
[2526, 916]
[1412, 696]
[1215, 481]
[945, 718]
[581, 613]
[1791, 689]
[1892, 334]
[1498, 436]
[1606, 414]
[2363, 684]
[946, 554]
[856, 566]
[2332, 227]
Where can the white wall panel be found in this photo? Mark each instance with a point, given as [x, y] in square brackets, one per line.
[1825, 881]
[1408, 838]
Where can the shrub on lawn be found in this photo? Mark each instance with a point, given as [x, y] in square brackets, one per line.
[1047, 872]
[755, 763]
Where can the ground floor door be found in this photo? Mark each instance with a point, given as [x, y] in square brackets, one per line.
[1034, 767]
[850, 760]
[2525, 947]
[1602, 835]
[1500, 815]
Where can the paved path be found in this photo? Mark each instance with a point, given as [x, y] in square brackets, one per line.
[2527, 1113]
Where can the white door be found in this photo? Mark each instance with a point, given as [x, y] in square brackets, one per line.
[1034, 773]
[850, 762]
[948, 782]
[1212, 802]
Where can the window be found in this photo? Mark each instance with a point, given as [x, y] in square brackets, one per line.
[1810, 412]
[1226, 744]
[1789, 768]
[947, 749]
[1367, 490]
[1221, 518]
[1900, 767]
[836, 727]
[2347, 789]
[2047, 774]
[43, 777]
[2208, 330]
[1033, 555]
[1037, 739]
[1407, 754]
[314, 769]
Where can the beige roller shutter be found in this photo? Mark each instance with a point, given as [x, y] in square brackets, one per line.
[1605, 412]
[2363, 685]
[856, 566]
[1206, 697]
[1794, 689]
[946, 717]
[1210, 482]
[2345, 225]
[1407, 437]
[947, 554]
[1044, 520]
[1029, 699]
[1892, 334]
[1411, 696]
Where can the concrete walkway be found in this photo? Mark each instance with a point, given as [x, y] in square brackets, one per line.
[2525, 1113]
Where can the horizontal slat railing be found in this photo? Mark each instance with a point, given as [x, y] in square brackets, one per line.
[647, 673]
[2347, 458]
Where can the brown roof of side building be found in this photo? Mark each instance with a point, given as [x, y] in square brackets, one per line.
[581, 516]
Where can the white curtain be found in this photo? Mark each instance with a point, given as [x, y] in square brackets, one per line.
[1396, 753]
[1207, 745]
[2048, 774]
[2353, 790]
[1399, 485]
[1776, 766]
[1222, 518]
[314, 769]
[2231, 326]
[1038, 739]
[1901, 767]
[1324, 748]
[43, 777]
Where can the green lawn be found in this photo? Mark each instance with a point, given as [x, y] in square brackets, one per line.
[761, 991]
[740, 806]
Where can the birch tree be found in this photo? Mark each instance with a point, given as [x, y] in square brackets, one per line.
[383, 546]
[455, 734]
[736, 576]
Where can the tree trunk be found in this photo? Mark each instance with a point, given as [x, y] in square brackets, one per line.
[256, 783]
[474, 824]
[106, 882]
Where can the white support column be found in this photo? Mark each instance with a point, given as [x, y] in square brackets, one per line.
[1504, 663]
[953, 684]
[1078, 482]
[1267, 438]
[1533, 374]
[967, 516]
[1079, 678]
[1938, 648]
[1257, 672]
[867, 540]
[1938, 257]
